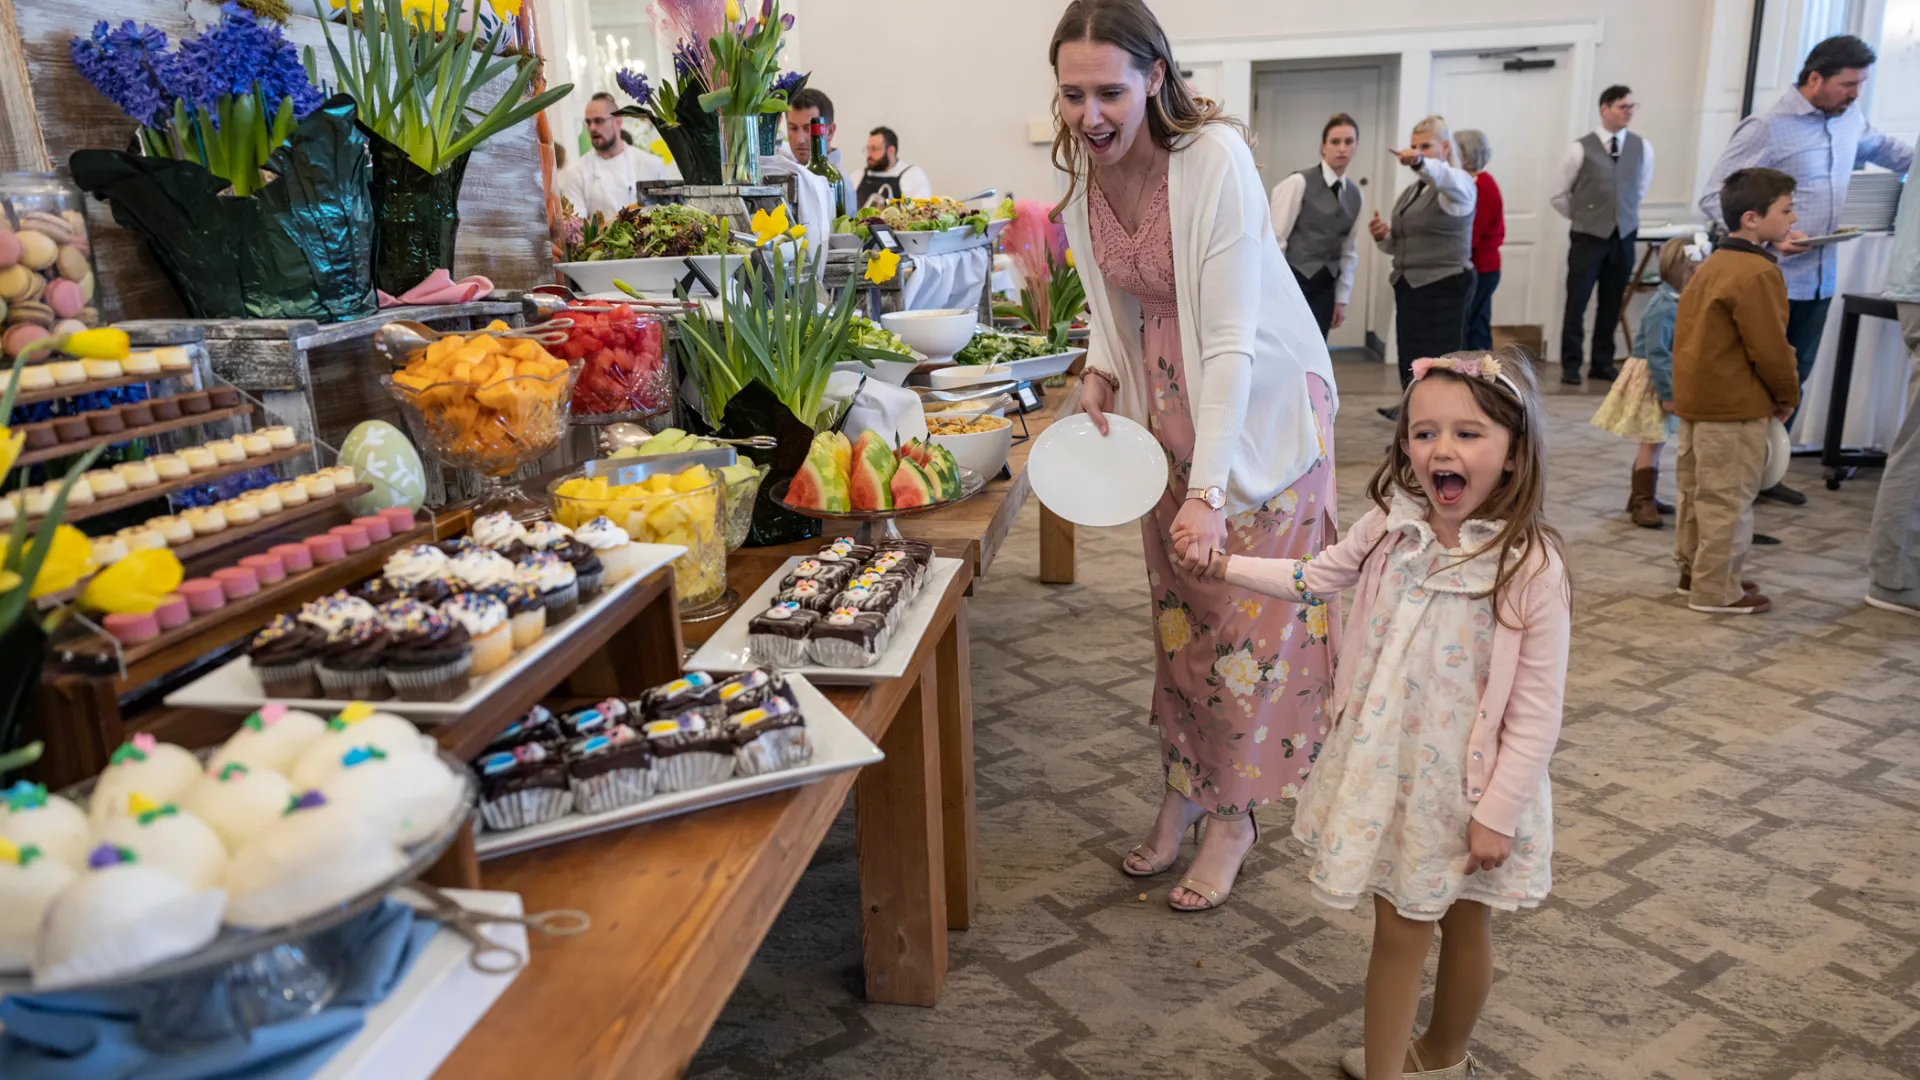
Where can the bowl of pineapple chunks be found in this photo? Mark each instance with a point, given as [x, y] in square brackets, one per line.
[682, 508]
[743, 480]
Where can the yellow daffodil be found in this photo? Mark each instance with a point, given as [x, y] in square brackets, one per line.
[658, 148]
[11, 443]
[882, 267]
[426, 14]
[770, 227]
[733, 11]
[506, 9]
[338, 4]
[102, 344]
[69, 558]
[136, 584]
[9, 581]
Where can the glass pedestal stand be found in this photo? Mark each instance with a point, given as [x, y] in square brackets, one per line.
[871, 525]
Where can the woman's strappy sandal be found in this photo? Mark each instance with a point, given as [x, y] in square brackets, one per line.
[1215, 894]
[1147, 855]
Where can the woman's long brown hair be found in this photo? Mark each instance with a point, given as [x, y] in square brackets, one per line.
[1173, 114]
[1519, 499]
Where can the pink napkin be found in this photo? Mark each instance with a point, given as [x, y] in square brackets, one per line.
[440, 288]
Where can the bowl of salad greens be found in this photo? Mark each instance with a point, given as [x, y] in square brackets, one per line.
[1019, 356]
[887, 358]
[649, 247]
[928, 226]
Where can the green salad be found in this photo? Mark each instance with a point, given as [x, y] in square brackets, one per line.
[870, 335]
[993, 347]
[937, 214]
[644, 232]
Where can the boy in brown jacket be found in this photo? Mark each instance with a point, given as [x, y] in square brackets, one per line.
[1733, 372]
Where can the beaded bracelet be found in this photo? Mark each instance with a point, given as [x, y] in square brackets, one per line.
[1300, 583]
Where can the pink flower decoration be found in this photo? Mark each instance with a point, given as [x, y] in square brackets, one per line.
[142, 742]
[1421, 367]
[272, 712]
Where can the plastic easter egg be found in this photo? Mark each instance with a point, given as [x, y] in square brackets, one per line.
[380, 454]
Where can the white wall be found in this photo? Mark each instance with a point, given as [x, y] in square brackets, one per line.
[962, 83]
[1895, 85]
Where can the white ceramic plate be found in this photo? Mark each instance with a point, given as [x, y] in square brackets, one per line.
[1830, 240]
[727, 650]
[1779, 455]
[1098, 481]
[233, 687]
[837, 747]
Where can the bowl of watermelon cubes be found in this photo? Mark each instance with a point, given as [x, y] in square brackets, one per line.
[868, 480]
[626, 374]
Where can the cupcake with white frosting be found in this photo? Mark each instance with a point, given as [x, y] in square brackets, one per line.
[498, 531]
[485, 620]
[555, 579]
[616, 549]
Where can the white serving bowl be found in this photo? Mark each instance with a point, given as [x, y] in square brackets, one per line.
[984, 453]
[963, 375]
[893, 372]
[935, 334]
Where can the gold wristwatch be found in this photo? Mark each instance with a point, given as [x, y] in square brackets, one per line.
[1215, 498]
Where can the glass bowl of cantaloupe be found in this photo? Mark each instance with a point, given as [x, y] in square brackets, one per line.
[684, 508]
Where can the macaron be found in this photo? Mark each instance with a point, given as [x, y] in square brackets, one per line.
[353, 537]
[69, 326]
[268, 568]
[54, 227]
[9, 247]
[172, 612]
[378, 529]
[237, 581]
[65, 298]
[326, 548]
[72, 262]
[35, 312]
[37, 250]
[203, 595]
[130, 628]
[297, 558]
[19, 336]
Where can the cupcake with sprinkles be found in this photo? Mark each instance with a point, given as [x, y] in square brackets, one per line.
[430, 655]
[350, 661]
[526, 611]
[498, 532]
[611, 544]
[559, 586]
[285, 656]
[330, 613]
[485, 621]
[482, 570]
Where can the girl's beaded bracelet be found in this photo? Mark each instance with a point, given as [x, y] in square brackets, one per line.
[1300, 582]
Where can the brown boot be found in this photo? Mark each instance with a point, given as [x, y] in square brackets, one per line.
[1640, 504]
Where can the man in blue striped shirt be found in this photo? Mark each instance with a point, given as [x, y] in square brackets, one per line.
[1815, 135]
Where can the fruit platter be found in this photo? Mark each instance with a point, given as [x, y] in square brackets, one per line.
[743, 477]
[867, 481]
[625, 375]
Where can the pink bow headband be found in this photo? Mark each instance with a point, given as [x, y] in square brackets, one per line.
[1485, 366]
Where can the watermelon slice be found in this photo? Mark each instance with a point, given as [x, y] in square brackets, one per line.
[917, 452]
[820, 484]
[840, 448]
[911, 486]
[944, 471]
[873, 469]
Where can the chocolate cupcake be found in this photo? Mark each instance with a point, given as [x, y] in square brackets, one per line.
[350, 662]
[429, 656]
[457, 545]
[380, 591]
[779, 635]
[688, 753]
[849, 638]
[164, 408]
[559, 586]
[436, 590]
[105, 422]
[694, 690]
[285, 656]
[588, 570]
[526, 612]
[609, 770]
[522, 786]
[769, 738]
[754, 689]
[538, 726]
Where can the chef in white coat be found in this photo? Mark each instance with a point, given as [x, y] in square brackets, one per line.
[603, 182]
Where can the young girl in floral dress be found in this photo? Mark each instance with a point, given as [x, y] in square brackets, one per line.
[1431, 796]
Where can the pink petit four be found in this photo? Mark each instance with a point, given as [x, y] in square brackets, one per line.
[237, 581]
[326, 549]
[296, 558]
[268, 568]
[353, 536]
[203, 595]
[399, 518]
[131, 629]
[172, 612]
[378, 528]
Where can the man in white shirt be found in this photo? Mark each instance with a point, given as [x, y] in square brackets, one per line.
[886, 178]
[1316, 217]
[603, 182]
[1603, 177]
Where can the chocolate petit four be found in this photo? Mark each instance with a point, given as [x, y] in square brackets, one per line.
[844, 550]
[849, 638]
[779, 635]
[523, 786]
[872, 595]
[610, 770]
[918, 550]
[688, 753]
[769, 738]
[812, 595]
[538, 726]
[832, 576]
[694, 690]
[754, 689]
[596, 719]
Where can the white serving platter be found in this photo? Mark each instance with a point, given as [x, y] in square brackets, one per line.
[925, 242]
[233, 687]
[1042, 367]
[727, 650]
[658, 276]
[837, 747]
[440, 999]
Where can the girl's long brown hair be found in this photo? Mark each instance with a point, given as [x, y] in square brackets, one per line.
[1519, 499]
[1173, 114]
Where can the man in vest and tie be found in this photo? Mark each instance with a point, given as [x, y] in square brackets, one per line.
[1604, 175]
[1431, 242]
[1316, 216]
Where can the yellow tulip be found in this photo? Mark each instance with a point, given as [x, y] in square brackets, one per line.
[11, 443]
[733, 11]
[9, 581]
[69, 558]
[106, 343]
[1069, 258]
[882, 267]
[659, 149]
[136, 584]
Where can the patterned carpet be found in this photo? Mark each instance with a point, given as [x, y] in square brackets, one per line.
[1737, 888]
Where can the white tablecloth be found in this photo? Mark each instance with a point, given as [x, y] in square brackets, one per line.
[1877, 400]
[950, 280]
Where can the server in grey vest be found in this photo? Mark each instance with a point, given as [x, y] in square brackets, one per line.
[1316, 217]
[1604, 175]
[1431, 242]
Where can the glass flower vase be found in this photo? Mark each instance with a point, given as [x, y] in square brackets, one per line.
[740, 147]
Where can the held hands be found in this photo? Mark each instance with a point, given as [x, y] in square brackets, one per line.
[1789, 246]
[1200, 540]
[1096, 399]
[1377, 227]
[1340, 310]
[1410, 158]
[1781, 412]
[1486, 849]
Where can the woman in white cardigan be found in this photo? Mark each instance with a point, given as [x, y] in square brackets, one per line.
[1201, 334]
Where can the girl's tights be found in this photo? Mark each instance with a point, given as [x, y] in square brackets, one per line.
[1400, 949]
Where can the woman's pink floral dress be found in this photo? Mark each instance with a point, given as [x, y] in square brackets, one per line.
[1240, 681]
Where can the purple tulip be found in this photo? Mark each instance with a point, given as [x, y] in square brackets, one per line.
[786, 21]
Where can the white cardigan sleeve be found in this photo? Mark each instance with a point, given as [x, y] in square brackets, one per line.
[1230, 298]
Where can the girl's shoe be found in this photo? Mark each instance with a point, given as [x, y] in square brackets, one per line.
[1215, 894]
[1354, 1063]
[1155, 866]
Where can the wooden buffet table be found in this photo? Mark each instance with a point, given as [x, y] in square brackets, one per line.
[680, 906]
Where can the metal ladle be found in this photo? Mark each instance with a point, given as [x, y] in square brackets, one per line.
[550, 301]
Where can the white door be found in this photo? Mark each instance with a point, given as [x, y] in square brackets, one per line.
[1525, 116]
[1289, 109]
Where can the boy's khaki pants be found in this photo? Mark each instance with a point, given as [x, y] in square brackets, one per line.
[1718, 470]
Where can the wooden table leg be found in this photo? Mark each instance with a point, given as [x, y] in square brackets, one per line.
[956, 772]
[903, 896]
[1056, 548]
